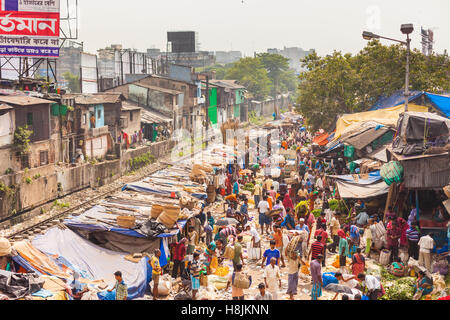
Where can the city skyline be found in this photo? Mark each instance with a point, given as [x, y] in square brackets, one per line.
[324, 26]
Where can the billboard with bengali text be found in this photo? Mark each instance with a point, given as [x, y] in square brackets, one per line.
[29, 28]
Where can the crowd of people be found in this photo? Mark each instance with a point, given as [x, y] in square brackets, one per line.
[292, 227]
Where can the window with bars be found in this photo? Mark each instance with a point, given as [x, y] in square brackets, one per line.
[43, 157]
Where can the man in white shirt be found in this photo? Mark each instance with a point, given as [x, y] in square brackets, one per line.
[256, 242]
[263, 208]
[276, 185]
[426, 244]
[271, 275]
[348, 280]
[372, 285]
[334, 227]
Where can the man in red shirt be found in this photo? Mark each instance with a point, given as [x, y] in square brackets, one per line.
[317, 248]
[324, 236]
[179, 252]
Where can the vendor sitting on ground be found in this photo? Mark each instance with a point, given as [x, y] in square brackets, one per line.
[424, 285]
[398, 268]
[75, 289]
[6, 262]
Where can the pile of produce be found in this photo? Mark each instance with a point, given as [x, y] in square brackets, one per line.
[333, 204]
[316, 212]
[249, 187]
[397, 288]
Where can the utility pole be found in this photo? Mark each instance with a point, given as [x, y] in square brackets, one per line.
[408, 52]
[207, 109]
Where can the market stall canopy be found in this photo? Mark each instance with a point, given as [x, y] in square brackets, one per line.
[361, 179]
[365, 137]
[365, 191]
[387, 117]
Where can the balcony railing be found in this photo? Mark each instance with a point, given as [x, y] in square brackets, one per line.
[96, 132]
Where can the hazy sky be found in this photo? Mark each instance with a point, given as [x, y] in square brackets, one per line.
[256, 25]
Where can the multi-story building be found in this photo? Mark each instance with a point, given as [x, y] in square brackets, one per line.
[294, 54]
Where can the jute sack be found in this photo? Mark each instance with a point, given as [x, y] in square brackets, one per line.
[384, 257]
[229, 252]
[156, 210]
[241, 280]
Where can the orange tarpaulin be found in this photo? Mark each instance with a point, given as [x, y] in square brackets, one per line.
[44, 264]
[322, 139]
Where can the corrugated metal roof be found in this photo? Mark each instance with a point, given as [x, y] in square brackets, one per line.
[148, 116]
[169, 91]
[5, 107]
[95, 98]
[23, 100]
[130, 106]
[230, 84]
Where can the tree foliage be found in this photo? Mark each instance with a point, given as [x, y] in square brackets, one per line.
[342, 83]
[251, 73]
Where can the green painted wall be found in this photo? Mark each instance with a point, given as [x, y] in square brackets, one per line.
[237, 111]
[240, 96]
[213, 97]
[212, 113]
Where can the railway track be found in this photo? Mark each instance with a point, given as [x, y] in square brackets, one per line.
[58, 218]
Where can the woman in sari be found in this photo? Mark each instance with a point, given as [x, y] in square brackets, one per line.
[228, 185]
[358, 263]
[424, 286]
[287, 202]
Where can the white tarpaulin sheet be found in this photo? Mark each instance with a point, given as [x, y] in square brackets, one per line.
[355, 191]
[5, 124]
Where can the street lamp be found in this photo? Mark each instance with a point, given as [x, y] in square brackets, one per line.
[405, 29]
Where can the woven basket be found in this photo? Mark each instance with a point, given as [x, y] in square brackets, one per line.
[127, 222]
[156, 210]
[168, 218]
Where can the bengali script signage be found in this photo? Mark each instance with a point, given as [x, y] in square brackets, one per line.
[29, 28]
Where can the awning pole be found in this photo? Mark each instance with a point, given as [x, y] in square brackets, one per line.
[417, 206]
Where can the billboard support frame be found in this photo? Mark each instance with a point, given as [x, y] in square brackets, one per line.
[48, 61]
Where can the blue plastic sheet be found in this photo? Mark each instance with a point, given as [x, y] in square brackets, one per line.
[442, 103]
[396, 99]
[97, 262]
[81, 222]
[373, 178]
[42, 293]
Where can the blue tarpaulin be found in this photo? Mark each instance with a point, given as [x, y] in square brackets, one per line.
[97, 262]
[442, 103]
[89, 220]
[396, 99]
[138, 188]
[373, 177]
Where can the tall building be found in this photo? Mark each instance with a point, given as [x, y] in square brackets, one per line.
[294, 54]
[183, 41]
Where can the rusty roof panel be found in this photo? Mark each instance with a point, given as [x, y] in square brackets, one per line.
[23, 100]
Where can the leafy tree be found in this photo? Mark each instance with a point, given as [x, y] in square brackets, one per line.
[342, 83]
[219, 69]
[276, 66]
[250, 72]
[288, 81]
[73, 82]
